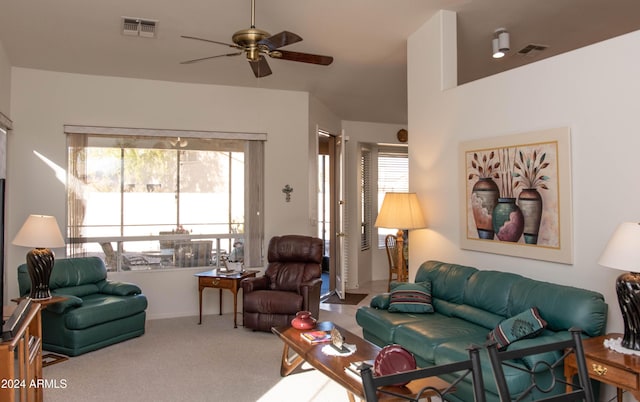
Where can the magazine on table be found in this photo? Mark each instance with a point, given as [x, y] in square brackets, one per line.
[315, 337]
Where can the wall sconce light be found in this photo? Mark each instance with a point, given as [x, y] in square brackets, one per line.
[500, 43]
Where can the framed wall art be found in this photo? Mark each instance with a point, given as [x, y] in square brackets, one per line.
[516, 192]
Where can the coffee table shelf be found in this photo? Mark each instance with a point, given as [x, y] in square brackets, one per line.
[297, 351]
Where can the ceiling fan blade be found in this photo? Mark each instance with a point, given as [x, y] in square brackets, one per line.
[260, 68]
[281, 39]
[211, 41]
[210, 57]
[302, 57]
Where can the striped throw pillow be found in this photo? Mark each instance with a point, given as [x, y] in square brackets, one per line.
[410, 297]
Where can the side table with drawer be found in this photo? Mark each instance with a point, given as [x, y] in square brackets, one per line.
[220, 280]
[607, 366]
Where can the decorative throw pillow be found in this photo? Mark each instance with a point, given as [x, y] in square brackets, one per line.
[527, 324]
[410, 297]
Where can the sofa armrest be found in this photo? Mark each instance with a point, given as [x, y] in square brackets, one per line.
[255, 283]
[532, 361]
[120, 288]
[310, 292]
[310, 284]
[62, 306]
[381, 301]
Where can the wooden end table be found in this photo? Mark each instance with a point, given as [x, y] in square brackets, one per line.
[219, 280]
[296, 351]
[48, 358]
[608, 366]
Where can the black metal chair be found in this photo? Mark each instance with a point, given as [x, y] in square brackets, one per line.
[555, 376]
[373, 385]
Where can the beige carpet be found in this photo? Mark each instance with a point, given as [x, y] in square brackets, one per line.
[179, 360]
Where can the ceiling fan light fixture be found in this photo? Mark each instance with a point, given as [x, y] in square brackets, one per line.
[500, 43]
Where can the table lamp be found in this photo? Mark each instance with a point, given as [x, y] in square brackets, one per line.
[41, 232]
[400, 211]
[623, 253]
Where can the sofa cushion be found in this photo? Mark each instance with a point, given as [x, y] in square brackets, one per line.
[448, 281]
[77, 271]
[477, 316]
[100, 308]
[527, 324]
[561, 306]
[422, 337]
[77, 291]
[489, 290]
[410, 297]
[67, 272]
[379, 326]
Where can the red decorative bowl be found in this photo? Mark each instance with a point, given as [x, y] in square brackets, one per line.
[303, 320]
[393, 359]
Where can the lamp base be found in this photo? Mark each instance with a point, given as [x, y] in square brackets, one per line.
[628, 290]
[39, 265]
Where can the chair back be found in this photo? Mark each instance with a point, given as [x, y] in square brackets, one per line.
[392, 252]
[293, 259]
[375, 386]
[550, 369]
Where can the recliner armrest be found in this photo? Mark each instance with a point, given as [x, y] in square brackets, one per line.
[62, 306]
[311, 283]
[120, 288]
[254, 283]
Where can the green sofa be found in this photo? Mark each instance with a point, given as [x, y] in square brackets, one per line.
[468, 304]
[97, 313]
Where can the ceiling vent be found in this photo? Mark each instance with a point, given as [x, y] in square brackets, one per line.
[532, 50]
[139, 27]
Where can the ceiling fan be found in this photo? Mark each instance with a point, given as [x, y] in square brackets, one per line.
[256, 43]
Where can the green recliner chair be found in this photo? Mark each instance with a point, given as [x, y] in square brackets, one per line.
[96, 313]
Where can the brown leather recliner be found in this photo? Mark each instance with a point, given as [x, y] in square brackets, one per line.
[291, 283]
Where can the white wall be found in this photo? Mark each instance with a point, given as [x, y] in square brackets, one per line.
[592, 90]
[5, 82]
[42, 102]
[371, 264]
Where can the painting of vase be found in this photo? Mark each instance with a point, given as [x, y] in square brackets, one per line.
[513, 196]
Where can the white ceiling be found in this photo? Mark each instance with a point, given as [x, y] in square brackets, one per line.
[367, 38]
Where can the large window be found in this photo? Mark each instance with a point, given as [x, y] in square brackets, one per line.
[142, 197]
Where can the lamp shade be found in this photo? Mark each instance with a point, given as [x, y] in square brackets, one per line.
[623, 249]
[39, 231]
[400, 211]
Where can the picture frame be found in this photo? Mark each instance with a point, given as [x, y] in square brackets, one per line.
[516, 195]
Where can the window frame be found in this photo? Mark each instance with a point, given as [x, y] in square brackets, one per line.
[253, 179]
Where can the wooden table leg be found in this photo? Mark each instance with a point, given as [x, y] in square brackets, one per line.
[235, 307]
[220, 301]
[289, 363]
[200, 303]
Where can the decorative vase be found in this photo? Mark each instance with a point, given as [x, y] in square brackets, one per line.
[303, 320]
[530, 203]
[508, 221]
[484, 198]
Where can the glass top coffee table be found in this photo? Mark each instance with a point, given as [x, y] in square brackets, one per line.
[297, 351]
